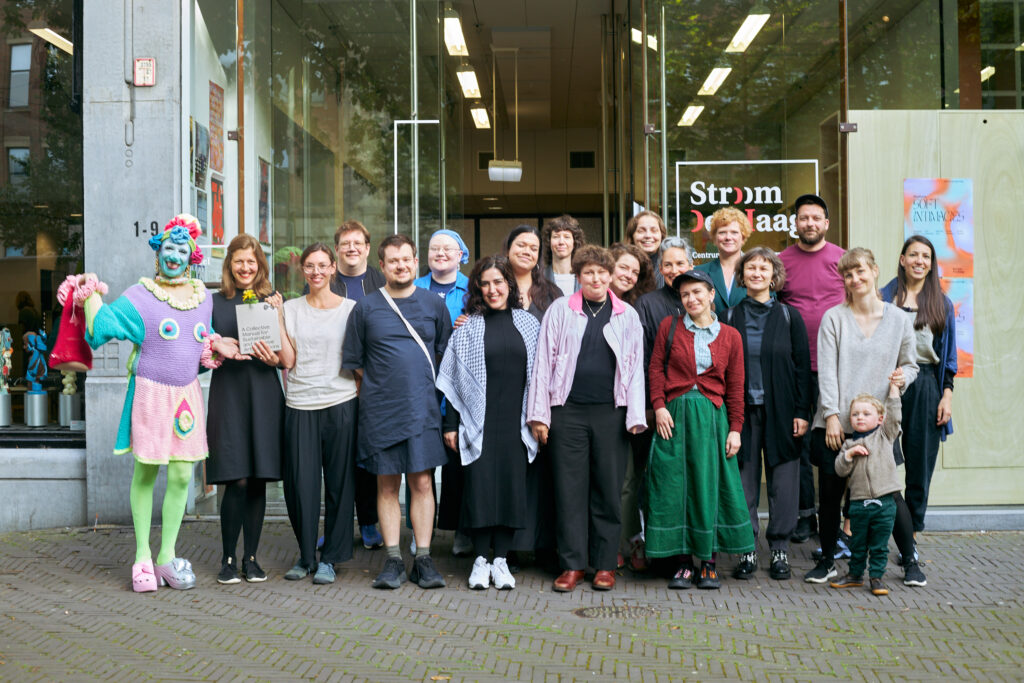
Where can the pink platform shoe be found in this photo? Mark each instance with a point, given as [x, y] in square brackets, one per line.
[143, 578]
[177, 574]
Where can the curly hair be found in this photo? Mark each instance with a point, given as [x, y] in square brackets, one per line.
[725, 216]
[592, 255]
[475, 303]
[564, 223]
[645, 280]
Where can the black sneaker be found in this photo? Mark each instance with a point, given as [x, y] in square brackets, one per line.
[878, 587]
[848, 581]
[822, 572]
[805, 528]
[682, 579]
[779, 569]
[913, 576]
[424, 574]
[252, 571]
[708, 579]
[228, 572]
[393, 574]
[747, 566]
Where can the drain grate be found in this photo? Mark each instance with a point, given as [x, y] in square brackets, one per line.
[615, 612]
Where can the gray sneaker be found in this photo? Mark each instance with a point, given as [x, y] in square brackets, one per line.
[324, 573]
[424, 574]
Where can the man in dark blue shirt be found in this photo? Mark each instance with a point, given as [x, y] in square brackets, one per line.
[393, 341]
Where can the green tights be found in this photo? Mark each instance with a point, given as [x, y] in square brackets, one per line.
[143, 481]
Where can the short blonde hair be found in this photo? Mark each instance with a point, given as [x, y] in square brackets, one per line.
[869, 399]
[856, 257]
[727, 215]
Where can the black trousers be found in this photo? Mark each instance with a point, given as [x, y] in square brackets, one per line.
[366, 497]
[783, 480]
[321, 445]
[588, 447]
[807, 506]
[921, 439]
[832, 487]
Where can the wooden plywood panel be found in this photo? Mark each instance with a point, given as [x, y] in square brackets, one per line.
[988, 146]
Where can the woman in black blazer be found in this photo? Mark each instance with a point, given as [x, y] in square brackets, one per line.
[777, 403]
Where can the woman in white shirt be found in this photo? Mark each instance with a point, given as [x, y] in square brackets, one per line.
[321, 410]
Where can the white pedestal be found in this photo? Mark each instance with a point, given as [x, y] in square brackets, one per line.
[5, 410]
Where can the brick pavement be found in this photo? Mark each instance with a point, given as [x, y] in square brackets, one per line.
[67, 613]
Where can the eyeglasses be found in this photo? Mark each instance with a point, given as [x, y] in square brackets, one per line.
[351, 245]
[310, 268]
[447, 250]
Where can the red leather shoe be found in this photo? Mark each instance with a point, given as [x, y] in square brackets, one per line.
[604, 580]
[567, 581]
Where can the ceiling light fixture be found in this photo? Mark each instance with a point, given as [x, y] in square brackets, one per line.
[714, 80]
[987, 73]
[751, 26]
[454, 40]
[652, 41]
[480, 118]
[53, 38]
[690, 115]
[467, 79]
[490, 199]
[498, 170]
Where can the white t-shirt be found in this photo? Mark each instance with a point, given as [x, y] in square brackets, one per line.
[317, 380]
[565, 282]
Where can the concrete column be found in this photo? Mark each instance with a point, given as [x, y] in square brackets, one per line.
[132, 167]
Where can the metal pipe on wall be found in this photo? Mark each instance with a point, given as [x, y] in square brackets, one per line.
[844, 116]
[240, 105]
[663, 116]
[604, 131]
[644, 95]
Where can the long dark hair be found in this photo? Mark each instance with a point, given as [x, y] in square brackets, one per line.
[475, 304]
[645, 280]
[542, 291]
[931, 302]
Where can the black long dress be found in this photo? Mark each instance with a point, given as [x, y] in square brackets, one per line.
[245, 421]
[494, 492]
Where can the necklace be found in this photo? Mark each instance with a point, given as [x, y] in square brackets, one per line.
[164, 280]
[593, 313]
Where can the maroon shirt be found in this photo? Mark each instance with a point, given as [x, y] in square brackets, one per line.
[723, 381]
[813, 285]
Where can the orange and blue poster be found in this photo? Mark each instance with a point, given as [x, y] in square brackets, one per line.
[942, 209]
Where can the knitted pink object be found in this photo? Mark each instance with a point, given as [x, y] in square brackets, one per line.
[79, 291]
[209, 358]
[71, 352]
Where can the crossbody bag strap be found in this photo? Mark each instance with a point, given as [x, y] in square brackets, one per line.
[412, 331]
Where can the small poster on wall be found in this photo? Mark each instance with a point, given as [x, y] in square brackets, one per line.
[202, 154]
[191, 151]
[202, 212]
[264, 202]
[942, 209]
[217, 209]
[216, 127]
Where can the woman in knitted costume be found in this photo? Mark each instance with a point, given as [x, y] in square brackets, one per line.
[167, 318]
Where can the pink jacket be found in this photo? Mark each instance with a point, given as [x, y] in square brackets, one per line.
[561, 334]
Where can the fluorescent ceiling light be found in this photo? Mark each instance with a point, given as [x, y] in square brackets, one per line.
[690, 115]
[480, 119]
[467, 79]
[490, 199]
[747, 32]
[987, 73]
[714, 80]
[652, 41]
[453, 37]
[1019, 48]
[53, 38]
[505, 171]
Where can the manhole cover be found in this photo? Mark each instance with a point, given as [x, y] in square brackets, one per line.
[618, 612]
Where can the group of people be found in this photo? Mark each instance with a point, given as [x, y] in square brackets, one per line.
[599, 406]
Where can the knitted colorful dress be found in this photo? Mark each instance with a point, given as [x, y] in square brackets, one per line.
[163, 417]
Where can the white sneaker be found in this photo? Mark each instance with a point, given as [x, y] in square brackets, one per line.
[480, 577]
[501, 576]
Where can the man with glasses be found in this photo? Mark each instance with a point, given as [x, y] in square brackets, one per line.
[394, 339]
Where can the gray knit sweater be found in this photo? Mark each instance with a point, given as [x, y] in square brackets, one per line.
[874, 475]
[850, 363]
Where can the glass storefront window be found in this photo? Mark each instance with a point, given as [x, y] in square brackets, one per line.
[40, 188]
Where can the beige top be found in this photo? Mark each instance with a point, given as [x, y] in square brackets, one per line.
[317, 380]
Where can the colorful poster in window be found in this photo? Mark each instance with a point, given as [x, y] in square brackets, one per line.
[202, 212]
[264, 202]
[217, 209]
[202, 154]
[942, 209]
[216, 127]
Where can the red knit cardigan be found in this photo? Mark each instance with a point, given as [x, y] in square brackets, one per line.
[723, 381]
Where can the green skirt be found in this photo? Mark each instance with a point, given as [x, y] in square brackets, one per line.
[695, 501]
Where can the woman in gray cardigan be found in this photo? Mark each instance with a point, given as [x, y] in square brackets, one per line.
[860, 344]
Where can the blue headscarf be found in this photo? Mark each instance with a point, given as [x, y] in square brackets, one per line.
[455, 236]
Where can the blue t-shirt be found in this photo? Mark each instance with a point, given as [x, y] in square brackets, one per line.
[397, 398]
[441, 289]
[353, 286]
